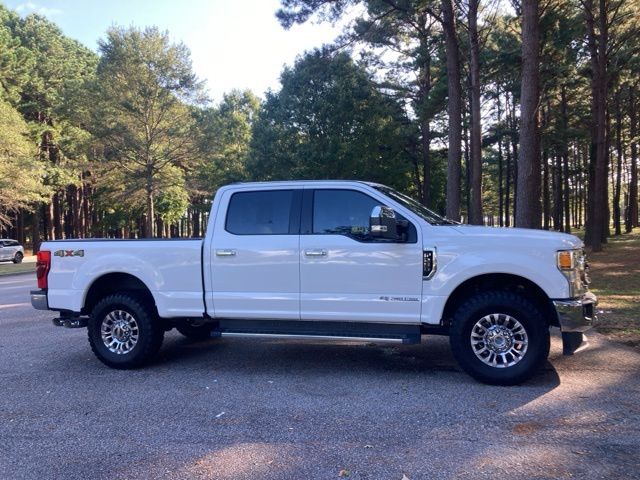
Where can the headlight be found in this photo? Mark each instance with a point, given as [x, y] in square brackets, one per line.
[572, 264]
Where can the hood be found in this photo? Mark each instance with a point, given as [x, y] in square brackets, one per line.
[527, 236]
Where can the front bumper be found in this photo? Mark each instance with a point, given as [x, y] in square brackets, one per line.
[577, 314]
[39, 300]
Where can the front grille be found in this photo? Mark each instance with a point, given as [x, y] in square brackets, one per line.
[583, 269]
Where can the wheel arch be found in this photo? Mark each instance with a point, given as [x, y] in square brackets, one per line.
[499, 281]
[115, 282]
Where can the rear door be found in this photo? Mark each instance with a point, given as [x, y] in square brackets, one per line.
[255, 255]
[345, 275]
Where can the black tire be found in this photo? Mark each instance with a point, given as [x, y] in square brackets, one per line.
[505, 303]
[150, 331]
[200, 332]
[17, 258]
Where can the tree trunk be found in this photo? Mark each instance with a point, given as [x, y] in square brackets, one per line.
[545, 190]
[565, 160]
[35, 230]
[618, 180]
[507, 188]
[149, 223]
[500, 187]
[425, 128]
[633, 180]
[195, 215]
[426, 162]
[597, 214]
[528, 213]
[557, 193]
[514, 147]
[454, 110]
[475, 163]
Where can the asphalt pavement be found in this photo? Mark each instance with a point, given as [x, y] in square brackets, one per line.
[284, 409]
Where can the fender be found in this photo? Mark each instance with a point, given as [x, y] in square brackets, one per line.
[456, 267]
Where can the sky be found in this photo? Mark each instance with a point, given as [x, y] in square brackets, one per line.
[234, 43]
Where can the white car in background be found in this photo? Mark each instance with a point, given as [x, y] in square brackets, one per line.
[11, 251]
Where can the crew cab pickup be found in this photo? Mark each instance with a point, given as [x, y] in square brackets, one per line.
[327, 259]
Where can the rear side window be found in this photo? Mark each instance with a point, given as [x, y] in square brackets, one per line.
[259, 213]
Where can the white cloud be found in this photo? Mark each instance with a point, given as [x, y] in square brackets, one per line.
[30, 7]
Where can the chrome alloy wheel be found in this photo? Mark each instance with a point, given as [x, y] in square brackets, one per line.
[119, 331]
[499, 340]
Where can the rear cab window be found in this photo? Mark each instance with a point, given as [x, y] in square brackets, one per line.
[267, 212]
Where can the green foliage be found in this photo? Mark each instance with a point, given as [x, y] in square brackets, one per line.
[330, 121]
[16, 61]
[21, 175]
[225, 136]
[141, 116]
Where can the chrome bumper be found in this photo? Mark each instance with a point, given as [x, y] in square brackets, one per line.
[578, 314]
[39, 300]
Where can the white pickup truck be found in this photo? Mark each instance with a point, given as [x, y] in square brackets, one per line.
[326, 259]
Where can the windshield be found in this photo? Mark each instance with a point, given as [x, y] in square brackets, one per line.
[415, 207]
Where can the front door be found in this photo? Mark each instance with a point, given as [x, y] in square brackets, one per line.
[346, 275]
[255, 256]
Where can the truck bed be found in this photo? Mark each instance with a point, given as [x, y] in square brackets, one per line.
[171, 269]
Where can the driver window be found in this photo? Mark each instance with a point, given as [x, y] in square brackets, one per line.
[346, 212]
[342, 212]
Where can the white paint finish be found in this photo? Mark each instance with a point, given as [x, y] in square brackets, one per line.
[170, 269]
[350, 281]
[344, 279]
[260, 280]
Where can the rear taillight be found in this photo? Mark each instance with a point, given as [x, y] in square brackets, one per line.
[43, 264]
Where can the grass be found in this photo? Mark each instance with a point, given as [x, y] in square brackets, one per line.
[27, 265]
[9, 268]
[615, 275]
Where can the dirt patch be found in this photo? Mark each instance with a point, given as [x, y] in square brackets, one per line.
[526, 428]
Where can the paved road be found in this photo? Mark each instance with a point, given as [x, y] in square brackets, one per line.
[261, 409]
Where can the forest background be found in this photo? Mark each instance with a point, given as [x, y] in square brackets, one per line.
[520, 113]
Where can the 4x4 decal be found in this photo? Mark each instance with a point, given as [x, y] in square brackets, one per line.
[68, 253]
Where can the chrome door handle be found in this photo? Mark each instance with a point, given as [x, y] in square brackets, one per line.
[315, 253]
[225, 252]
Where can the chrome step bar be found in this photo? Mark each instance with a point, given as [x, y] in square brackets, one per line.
[308, 337]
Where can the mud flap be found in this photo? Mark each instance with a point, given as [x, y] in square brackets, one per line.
[572, 341]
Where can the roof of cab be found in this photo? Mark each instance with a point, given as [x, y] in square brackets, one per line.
[301, 183]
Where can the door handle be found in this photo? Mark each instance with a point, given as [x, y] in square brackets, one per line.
[225, 252]
[315, 253]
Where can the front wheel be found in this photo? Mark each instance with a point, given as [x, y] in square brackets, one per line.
[18, 257]
[499, 337]
[124, 331]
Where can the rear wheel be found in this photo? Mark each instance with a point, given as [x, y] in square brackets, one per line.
[124, 331]
[499, 337]
[17, 258]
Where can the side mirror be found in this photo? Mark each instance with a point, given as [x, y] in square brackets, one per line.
[382, 223]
